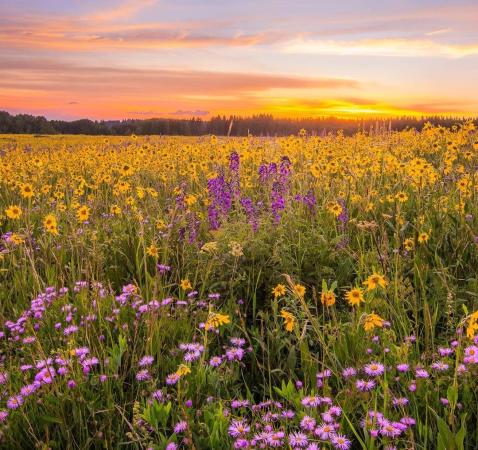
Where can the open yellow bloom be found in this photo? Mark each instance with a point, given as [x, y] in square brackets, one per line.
[26, 190]
[335, 208]
[186, 285]
[279, 291]
[354, 297]
[215, 320]
[183, 370]
[423, 237]
[13, 212]
[375, 280]
[152, 250]
[49, 221]
[115, 209]
[401, 197]
[289, 320]
[16, 239]
[409, 244]
[50, 224]
[372, 321]
[83, 213]
[161, 225]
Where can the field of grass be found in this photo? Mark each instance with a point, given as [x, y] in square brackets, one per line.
[210, 293]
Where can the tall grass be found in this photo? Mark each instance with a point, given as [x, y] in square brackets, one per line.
[136, 291]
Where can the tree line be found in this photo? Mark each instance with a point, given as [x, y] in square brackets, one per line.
[257, 125]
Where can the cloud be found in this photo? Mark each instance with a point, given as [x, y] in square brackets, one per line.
[197, 112]
[440, 31]
[149, 113]
[441, 107]
[125, 10]
[381, 47]
[179, 112]
[100, 33]
[119, 28]
[58, 76]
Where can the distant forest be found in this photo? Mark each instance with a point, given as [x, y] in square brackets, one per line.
[257, 125]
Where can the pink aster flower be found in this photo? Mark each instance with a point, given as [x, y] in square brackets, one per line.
[374, 369]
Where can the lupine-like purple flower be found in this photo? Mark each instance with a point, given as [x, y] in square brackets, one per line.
[193, 227]
[277, 201]
[220, 198]
[234, 162]
[250, 212]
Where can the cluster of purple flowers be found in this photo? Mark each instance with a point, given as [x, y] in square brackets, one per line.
[220, 197]
[276, 426]
[34, 314]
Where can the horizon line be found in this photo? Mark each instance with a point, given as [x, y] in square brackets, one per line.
[229, 116]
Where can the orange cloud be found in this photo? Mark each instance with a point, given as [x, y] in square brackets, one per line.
[60, 76]
[99, 31]
[125, 10]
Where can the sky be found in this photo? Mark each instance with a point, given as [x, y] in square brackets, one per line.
[105, 59]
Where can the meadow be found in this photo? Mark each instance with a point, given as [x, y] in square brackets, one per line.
[304, 292]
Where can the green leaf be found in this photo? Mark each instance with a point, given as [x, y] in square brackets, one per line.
[452, 395]
[460, 436]
[445, 435]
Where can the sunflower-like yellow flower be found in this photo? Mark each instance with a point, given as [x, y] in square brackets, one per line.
[354, 296]
[83, 213]
[335, 208]
[289, 320]
[183, 370]
[13, 212]
[216, 320]
[373, 321]
[279, 291]
[375, 280]
[26, 190]
[423, 237]
[152, 250]
[186, 284]
[50, 224]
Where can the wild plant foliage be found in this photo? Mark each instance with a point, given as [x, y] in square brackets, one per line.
[302, 292]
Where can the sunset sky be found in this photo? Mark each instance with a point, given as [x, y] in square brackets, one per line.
[157, 58]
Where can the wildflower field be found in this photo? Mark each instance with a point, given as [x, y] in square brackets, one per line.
[209, 293]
